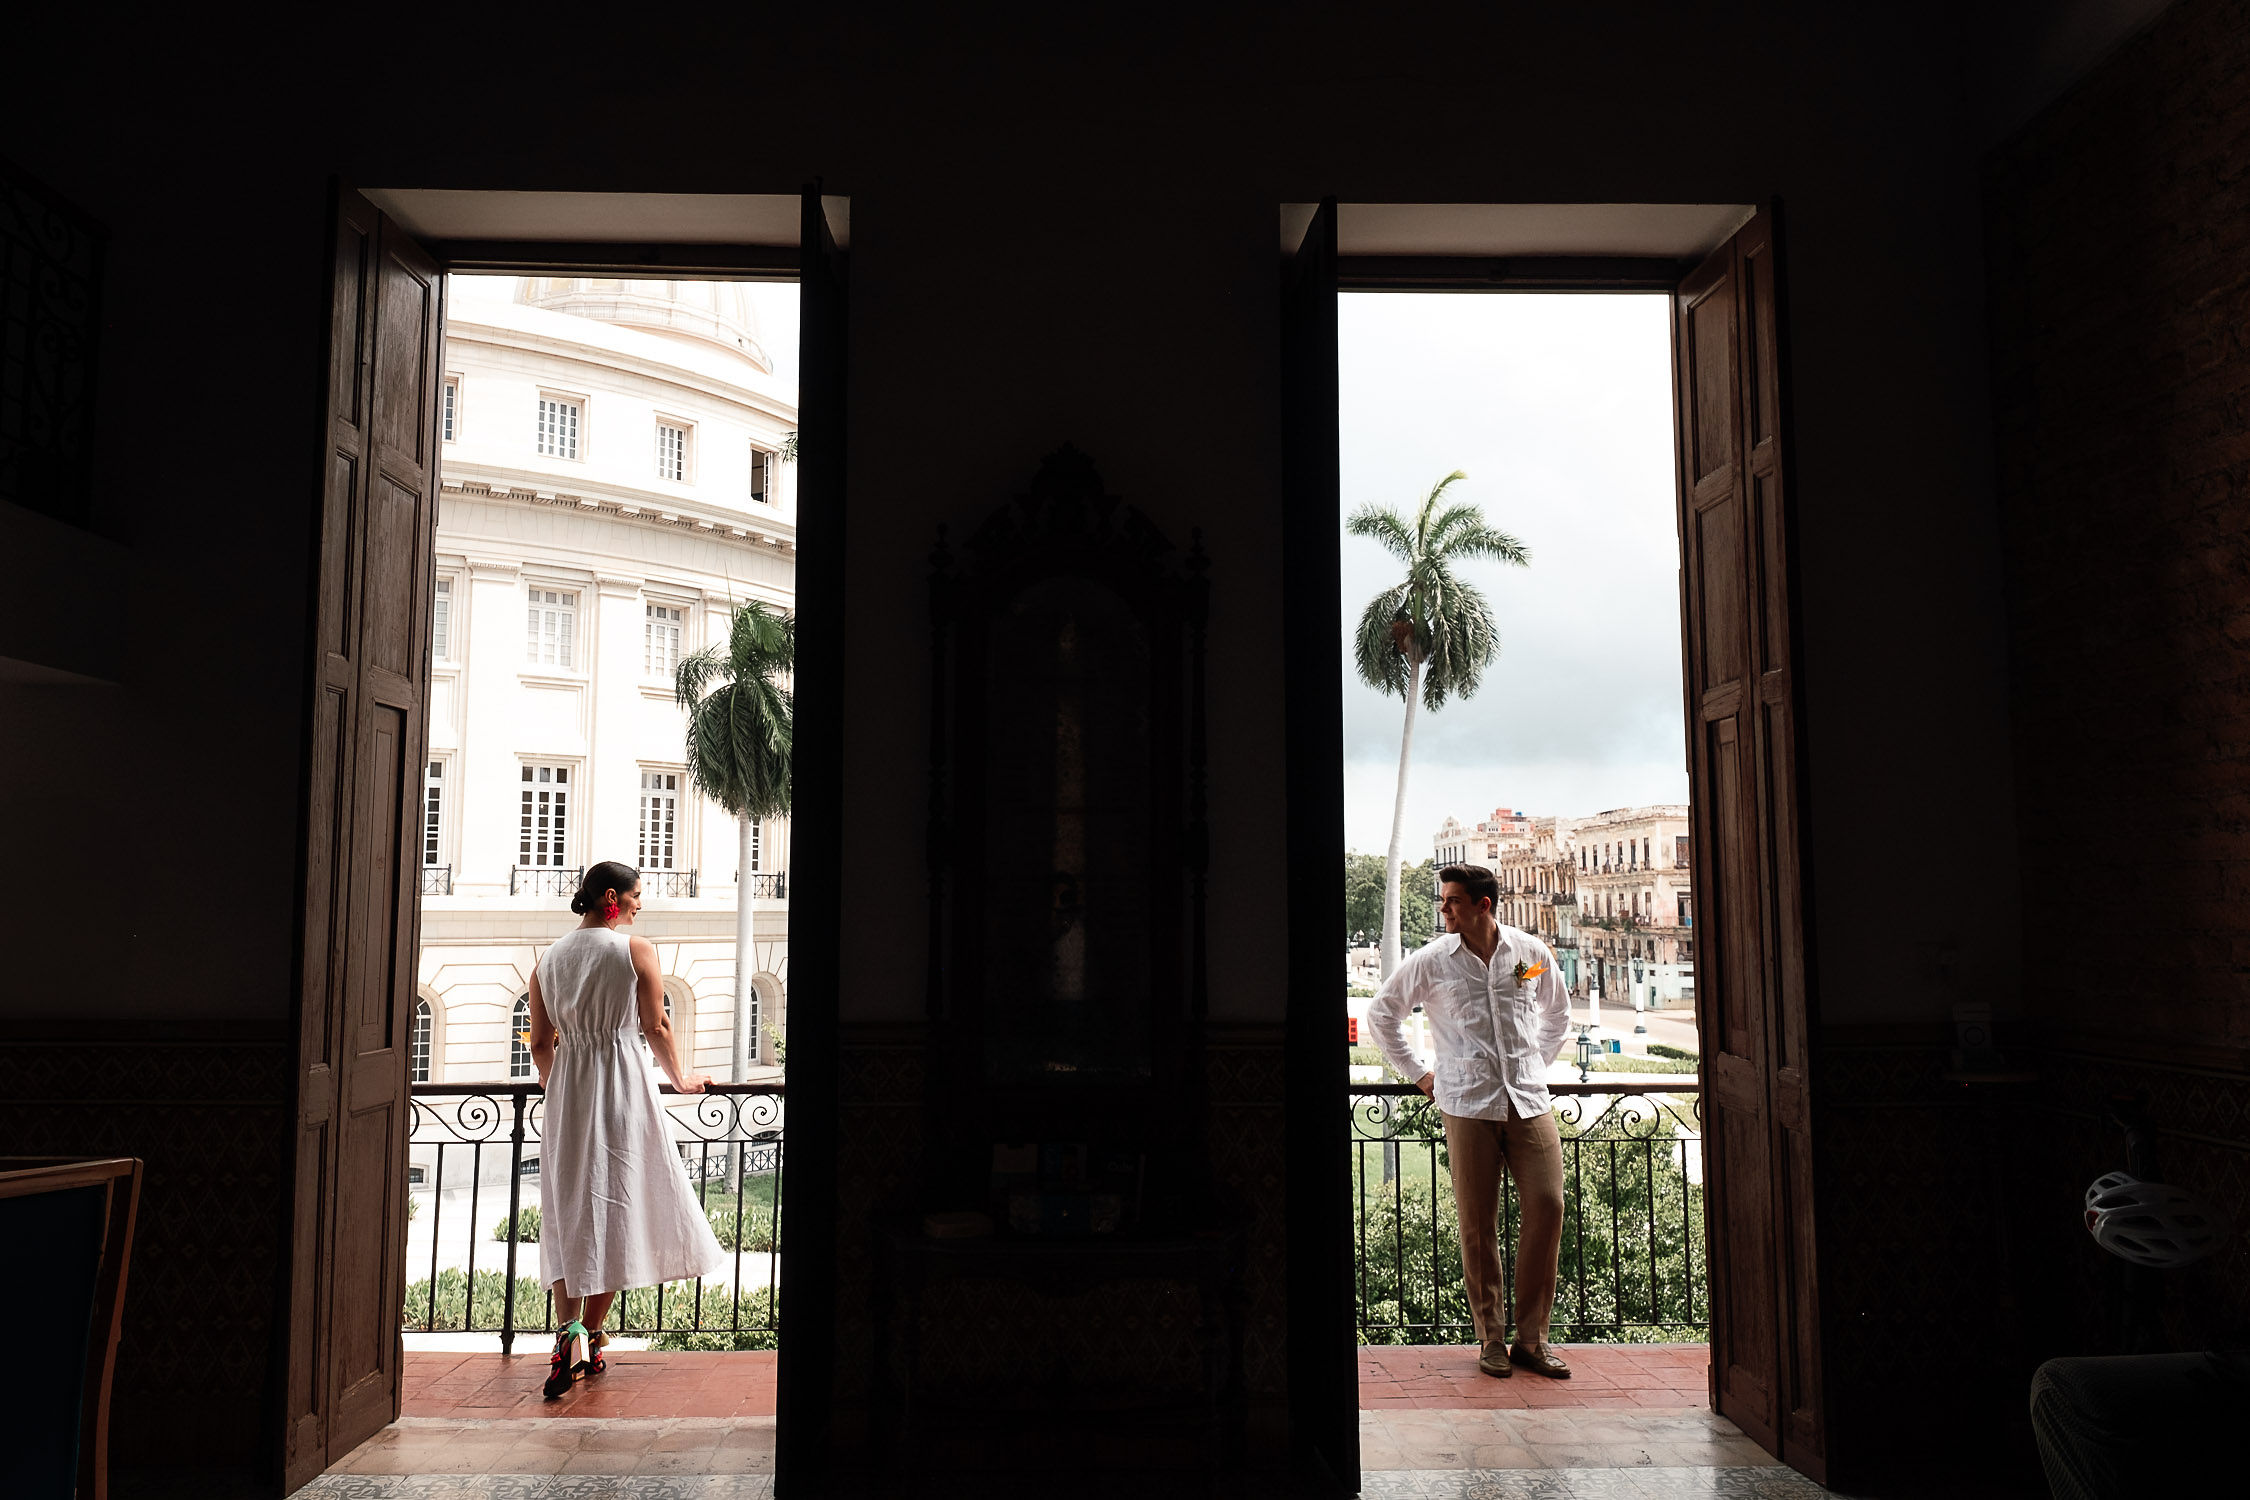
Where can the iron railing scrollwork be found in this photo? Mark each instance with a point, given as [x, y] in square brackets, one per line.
[771, 887]
[1632, 1261]
[730, 1143]
[437, 880]
[669, 882]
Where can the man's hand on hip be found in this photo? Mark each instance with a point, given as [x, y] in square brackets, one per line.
[1427, 1083]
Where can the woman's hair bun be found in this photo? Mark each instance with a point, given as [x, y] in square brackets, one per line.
[609, 875]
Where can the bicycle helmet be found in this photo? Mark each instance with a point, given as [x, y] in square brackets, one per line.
[2151, 1223]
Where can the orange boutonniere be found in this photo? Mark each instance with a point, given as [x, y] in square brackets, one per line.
[1525, 973]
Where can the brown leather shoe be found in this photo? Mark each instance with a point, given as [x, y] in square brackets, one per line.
[1540, 1359]
[1494, 1360]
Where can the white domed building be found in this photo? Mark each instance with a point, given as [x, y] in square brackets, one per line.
[613, 485]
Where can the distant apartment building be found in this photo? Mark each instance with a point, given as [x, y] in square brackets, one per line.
[1636, 913]
[1608, 893]
[1532, 858]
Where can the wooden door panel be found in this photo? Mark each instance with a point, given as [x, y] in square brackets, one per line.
[394, 520]
[364, 746]
[1710, 340]
[404, 349]
[1748, 872]
[1717, 550]
[1323, 1376]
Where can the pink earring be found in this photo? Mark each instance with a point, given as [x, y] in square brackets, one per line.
[609, 912]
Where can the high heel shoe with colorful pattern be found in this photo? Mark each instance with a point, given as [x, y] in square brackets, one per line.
[573, 1359]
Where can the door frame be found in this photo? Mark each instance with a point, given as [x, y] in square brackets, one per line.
[818, 593]
[1313, 824]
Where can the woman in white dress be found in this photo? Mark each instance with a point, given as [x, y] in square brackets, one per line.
[615, 1208]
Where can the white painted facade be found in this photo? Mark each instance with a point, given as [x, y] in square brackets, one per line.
[612, 488]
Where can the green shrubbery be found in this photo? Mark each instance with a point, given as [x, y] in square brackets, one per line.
[759, 1208]
[1677, 1054]
[527, 1226]
[637, 1308]
[1618, 1062]
[1631, 1250]
[453, 1301]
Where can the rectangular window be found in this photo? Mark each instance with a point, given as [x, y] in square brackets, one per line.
[441, 622]
[433, 812]
[543, 836]
[761, 476]
[554, 618]
[558, 427]
[1679, 852]
[660, 818]
[452, 416]
[757, 847]
[671, 451]
[660, 640]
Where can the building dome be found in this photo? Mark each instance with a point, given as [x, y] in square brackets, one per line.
[711, 312]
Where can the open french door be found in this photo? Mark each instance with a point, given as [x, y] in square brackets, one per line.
[1323, 1341]
[804, 1455]
[1738, 617]
[360, 922]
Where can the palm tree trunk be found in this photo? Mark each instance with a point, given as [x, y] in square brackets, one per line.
[745, 965]
[1398, 821]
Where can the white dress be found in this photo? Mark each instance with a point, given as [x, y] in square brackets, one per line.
[615, 1208]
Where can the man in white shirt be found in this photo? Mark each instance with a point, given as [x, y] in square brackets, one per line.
[1498, 1015]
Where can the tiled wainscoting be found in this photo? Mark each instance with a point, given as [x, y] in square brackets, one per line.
[205, 1112]
[1935, 1320]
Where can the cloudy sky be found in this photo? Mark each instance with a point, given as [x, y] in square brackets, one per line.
[1559, 410]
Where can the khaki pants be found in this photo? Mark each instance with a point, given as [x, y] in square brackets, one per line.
[1531, 1151]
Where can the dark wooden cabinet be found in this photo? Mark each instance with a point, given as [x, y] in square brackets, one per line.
[1068, 848]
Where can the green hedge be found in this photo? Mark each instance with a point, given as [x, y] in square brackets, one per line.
[527, 1226]
[635, 1309]
[759, 1209]
[1407, 1226]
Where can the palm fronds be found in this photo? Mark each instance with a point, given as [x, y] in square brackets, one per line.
[741, 716]
[1432, 618]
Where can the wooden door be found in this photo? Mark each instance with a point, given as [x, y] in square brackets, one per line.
[816, 848]
[1323, 1340]
[365, 739]
[1737, 602]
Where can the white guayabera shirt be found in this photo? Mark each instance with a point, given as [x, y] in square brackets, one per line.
[1494, 1035]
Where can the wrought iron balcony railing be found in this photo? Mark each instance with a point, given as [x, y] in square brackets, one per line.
[1632, 1264]
[471, 1150]
[543, 882]
[766, 887]
[437, 880]
[668, 882]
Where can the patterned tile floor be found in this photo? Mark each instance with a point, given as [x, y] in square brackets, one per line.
[637, 1384]
[1633, 1423]
[1621, 1377]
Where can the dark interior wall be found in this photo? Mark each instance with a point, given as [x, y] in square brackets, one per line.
[2120, 258]
[2120, 220]
[1059, 232]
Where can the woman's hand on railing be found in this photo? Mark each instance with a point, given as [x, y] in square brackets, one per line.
[693, 1083]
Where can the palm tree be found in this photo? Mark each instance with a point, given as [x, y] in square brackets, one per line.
[1429, 637]
[740, 719]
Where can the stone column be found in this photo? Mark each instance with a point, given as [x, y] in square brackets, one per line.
[613, 772]
[490, 621]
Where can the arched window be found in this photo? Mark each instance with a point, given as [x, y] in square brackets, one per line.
[418, 1048]
[519, 1049]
